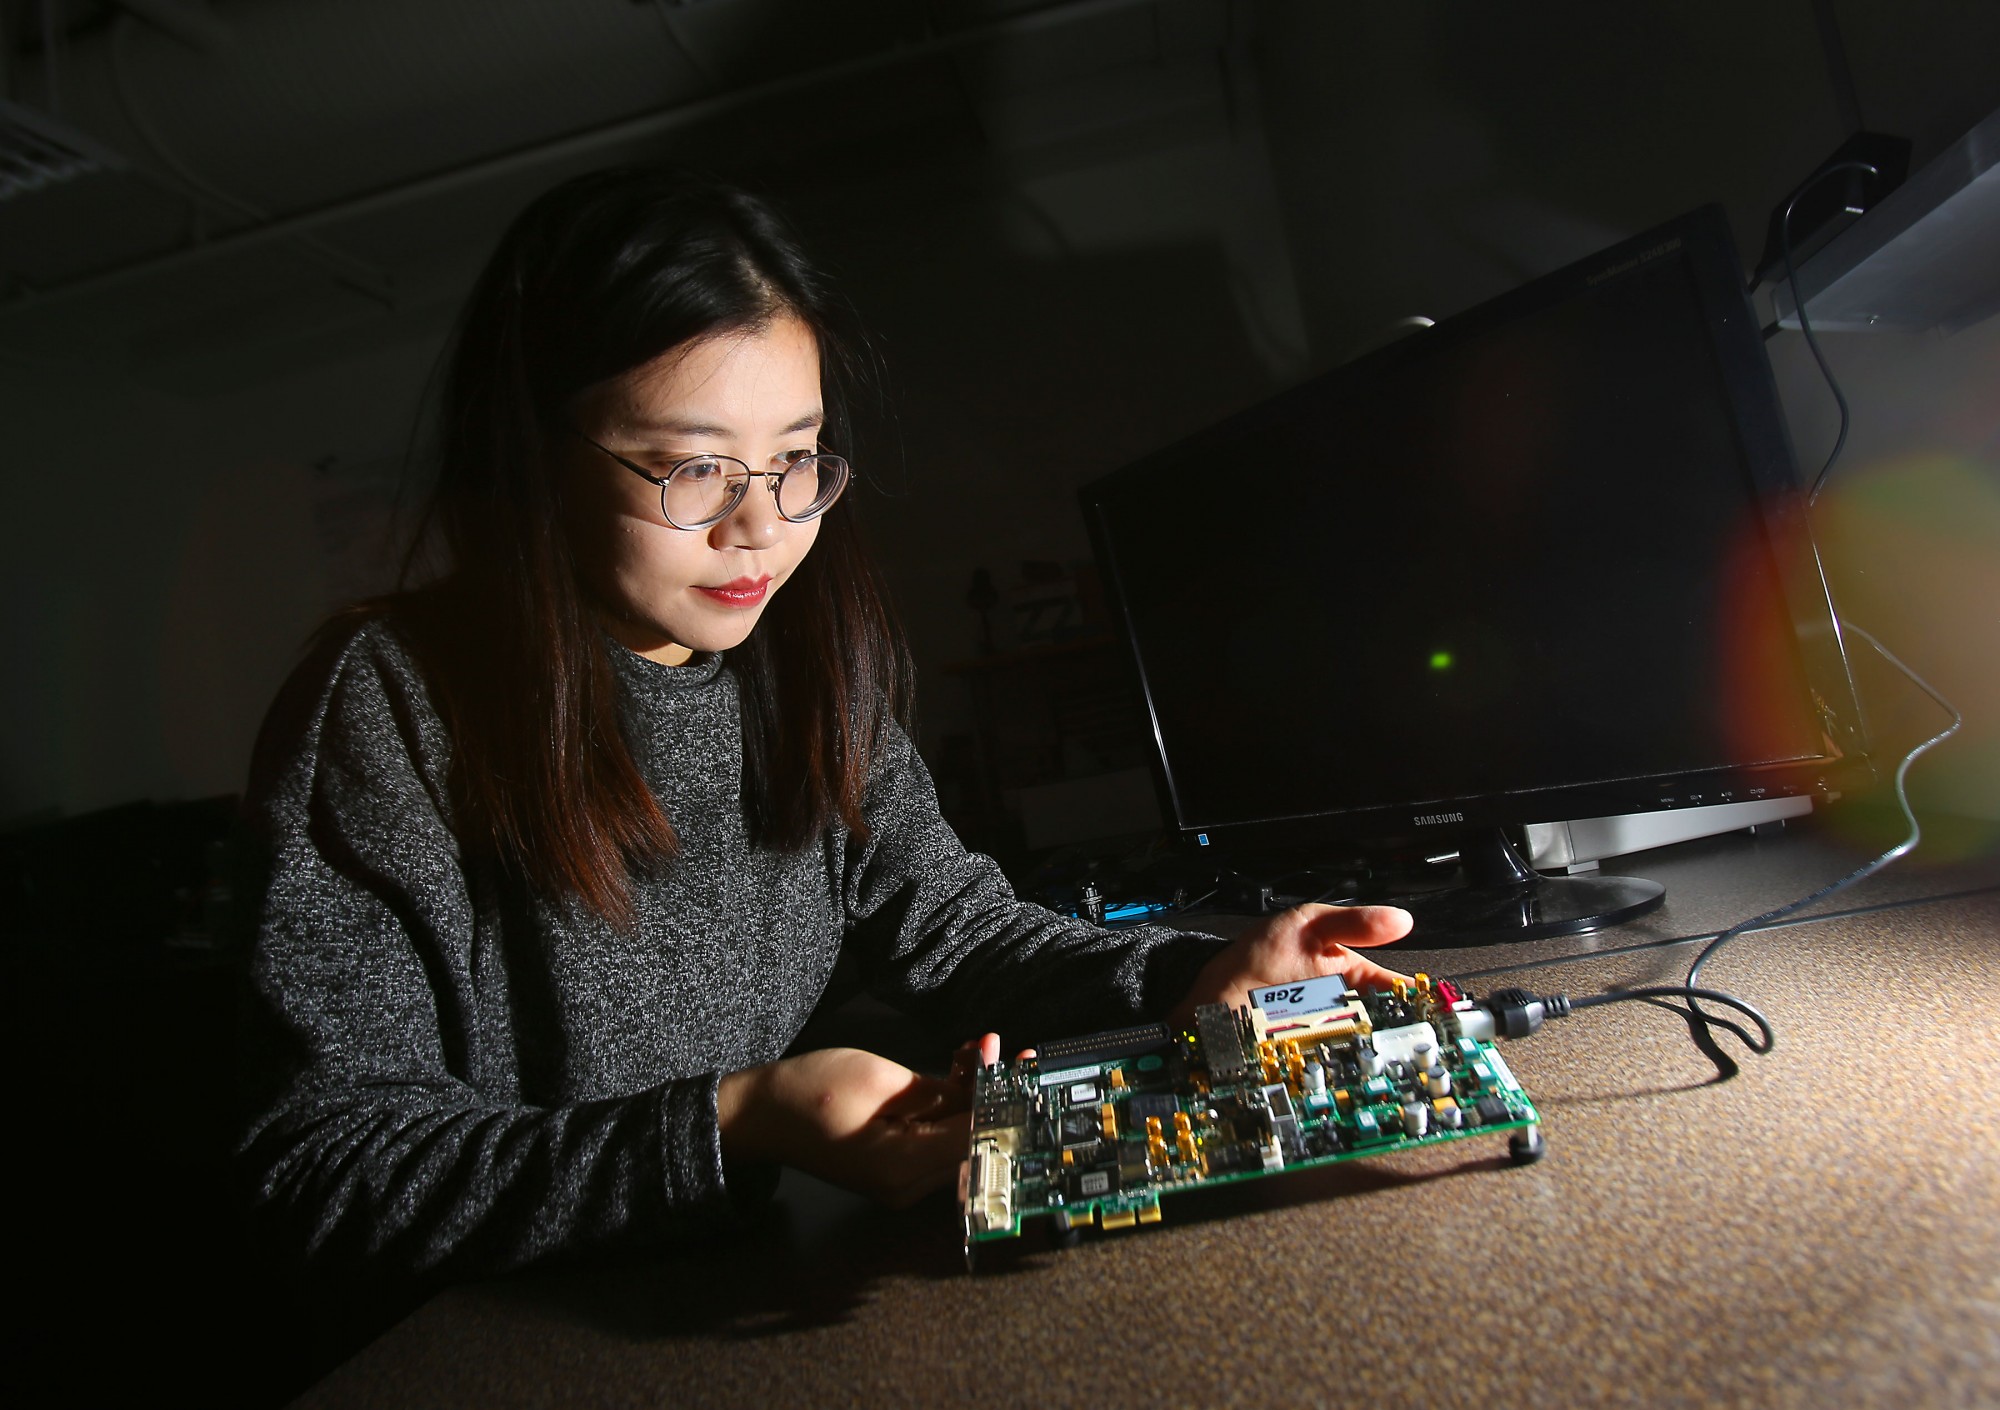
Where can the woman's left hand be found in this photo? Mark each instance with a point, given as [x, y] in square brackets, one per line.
[1302, 943]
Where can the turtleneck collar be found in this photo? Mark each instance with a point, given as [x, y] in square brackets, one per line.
[648, 678]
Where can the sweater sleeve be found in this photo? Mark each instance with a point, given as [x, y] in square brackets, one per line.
[389, 1133]
[938, 929]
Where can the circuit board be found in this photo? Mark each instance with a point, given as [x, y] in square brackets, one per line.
[1094, 1131]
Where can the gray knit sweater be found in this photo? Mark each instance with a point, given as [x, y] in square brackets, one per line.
[466, 1077]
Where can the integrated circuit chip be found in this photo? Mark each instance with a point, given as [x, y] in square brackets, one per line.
[1221, 1037]
[1081, 1127]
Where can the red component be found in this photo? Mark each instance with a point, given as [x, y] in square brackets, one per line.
[1449, 993]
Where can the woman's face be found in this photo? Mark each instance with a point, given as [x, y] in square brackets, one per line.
[671, 592]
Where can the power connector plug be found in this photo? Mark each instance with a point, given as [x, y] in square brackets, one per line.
[1518, 1014]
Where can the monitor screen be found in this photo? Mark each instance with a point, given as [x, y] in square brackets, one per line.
[1541, 561]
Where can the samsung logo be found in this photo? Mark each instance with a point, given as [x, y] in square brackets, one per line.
[1651, 252]
[1428, 819]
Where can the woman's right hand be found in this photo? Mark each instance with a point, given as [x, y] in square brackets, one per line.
[850, 1118]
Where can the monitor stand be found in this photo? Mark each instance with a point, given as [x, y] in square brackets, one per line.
[1501, 898]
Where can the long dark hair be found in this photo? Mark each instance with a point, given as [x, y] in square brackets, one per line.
[599, 276]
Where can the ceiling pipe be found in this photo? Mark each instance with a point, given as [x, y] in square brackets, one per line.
[202, 195]
[527, 158]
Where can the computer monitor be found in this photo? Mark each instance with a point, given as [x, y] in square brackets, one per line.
[1547, 559]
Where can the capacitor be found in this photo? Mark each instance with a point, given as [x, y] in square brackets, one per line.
[1424, 1055]
[1315, 1079]
[1416, 1119]
[1372, 1062]
[1448, 1114]
[1437, 1082]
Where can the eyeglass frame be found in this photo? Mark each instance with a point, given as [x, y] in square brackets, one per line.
[777, 478]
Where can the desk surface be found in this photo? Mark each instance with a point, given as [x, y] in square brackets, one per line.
[1822, 1229]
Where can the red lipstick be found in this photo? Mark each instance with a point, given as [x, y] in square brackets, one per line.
[743, 592]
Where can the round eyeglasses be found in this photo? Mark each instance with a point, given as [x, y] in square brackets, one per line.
[705, 489]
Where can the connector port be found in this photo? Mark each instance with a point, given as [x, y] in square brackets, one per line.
[989, 1190]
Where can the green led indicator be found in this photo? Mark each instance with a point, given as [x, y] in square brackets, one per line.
[1440, 660]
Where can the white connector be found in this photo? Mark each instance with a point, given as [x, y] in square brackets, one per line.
[1474, 1022]
[989, 1195]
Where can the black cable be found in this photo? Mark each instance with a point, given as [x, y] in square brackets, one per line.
[1519, 1013]
[1326, 898]
[1516, 1013]
[1223, 875]
[1901, 849]
[1614, 951]
[1805, 324]
[1909, 843]
[1688, 991]
[1702, 1026]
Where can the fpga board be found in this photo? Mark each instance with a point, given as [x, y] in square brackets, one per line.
[1095, 1131]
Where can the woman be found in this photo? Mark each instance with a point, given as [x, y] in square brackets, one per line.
[564, 846]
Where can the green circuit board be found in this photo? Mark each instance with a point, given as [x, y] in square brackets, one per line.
[1095, 1131]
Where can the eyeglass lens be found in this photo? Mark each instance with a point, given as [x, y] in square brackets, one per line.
[703, 490]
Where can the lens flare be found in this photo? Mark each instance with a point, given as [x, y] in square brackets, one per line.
[1769, 709]
[1912, 550]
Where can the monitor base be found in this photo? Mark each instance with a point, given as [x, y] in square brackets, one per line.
[1503, 900]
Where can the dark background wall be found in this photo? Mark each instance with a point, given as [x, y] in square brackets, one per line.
[1079, 231]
